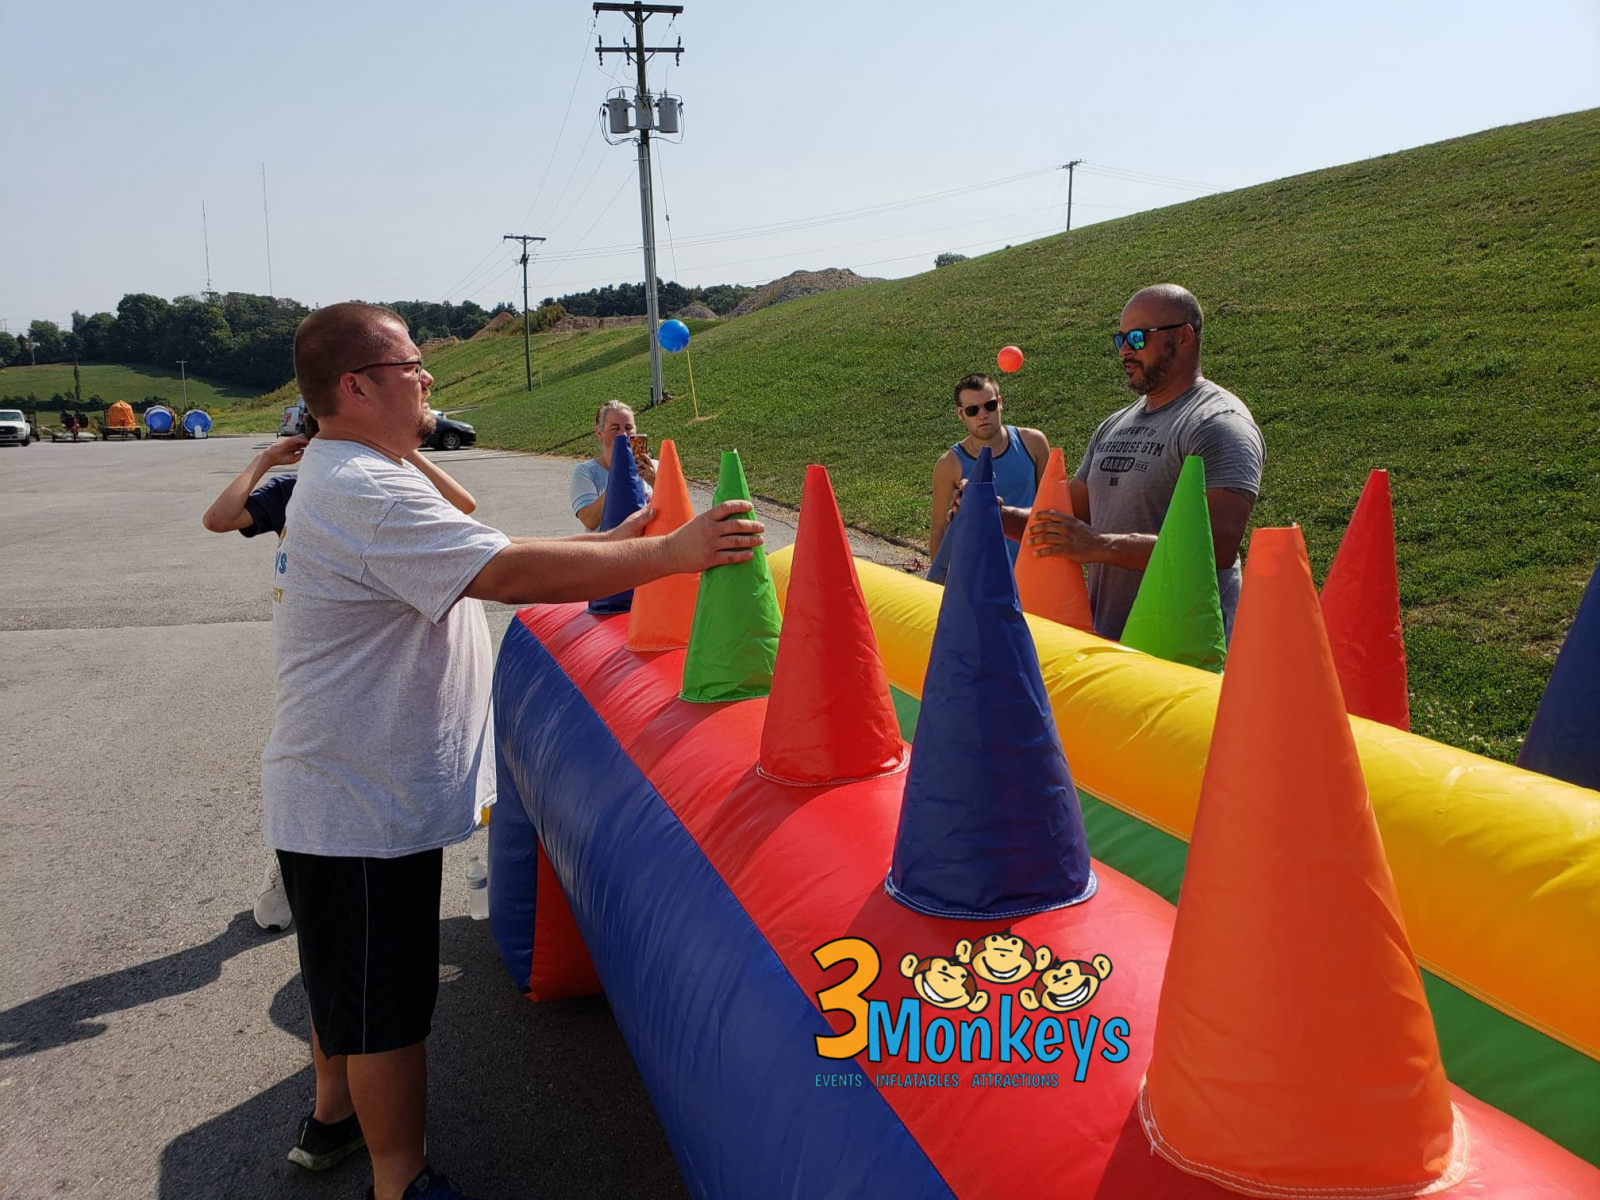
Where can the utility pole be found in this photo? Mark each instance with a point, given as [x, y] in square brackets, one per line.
[527, 345]
[266, 221]
[1077, 162]
[643, 122]
[205, 234]
[184, 375]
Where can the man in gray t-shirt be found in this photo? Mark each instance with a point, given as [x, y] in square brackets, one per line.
[1123, 485]
[382, 751]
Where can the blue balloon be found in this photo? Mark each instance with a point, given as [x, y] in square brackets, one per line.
[673, 336]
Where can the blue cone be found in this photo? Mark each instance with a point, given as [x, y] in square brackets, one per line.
[624, 497]
[982, 472]
[990, 827]
[1564, 739]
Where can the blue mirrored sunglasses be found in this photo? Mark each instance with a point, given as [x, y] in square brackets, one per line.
[1134, 338]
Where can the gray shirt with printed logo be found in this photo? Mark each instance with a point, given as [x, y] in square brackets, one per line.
[1131, 468]
[380, 743]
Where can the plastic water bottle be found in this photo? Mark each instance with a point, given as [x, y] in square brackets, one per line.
[477, 888]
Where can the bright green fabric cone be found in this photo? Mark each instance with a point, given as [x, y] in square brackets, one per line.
[1177, 614]
[733, 642]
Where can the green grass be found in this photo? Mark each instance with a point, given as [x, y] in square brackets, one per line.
[130, 383]
[1431, 311]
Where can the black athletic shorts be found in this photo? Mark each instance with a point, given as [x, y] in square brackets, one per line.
[368, 930]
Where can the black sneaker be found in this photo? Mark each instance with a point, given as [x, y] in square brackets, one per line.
[430, 1185]
[322, 1146]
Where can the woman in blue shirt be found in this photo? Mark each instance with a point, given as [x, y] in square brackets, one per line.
[1019, 456]
[587, 491]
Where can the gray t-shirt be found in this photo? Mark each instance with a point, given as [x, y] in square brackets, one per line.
[1131, 466]
[380, 743]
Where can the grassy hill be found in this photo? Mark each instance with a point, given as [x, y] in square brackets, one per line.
[1431, 311]
[130, 383]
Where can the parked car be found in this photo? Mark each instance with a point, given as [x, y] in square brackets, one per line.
[294, 419]
[450, 434]
[14, 430]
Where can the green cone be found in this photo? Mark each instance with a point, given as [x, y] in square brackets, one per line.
[1177, 614]
[734, 640]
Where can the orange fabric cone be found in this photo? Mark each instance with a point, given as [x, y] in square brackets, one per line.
[663, 610]
[1051, 585]
[1361, 608]
[1293, 1052]
[829, 715]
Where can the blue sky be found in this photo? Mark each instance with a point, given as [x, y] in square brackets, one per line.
[401, 140]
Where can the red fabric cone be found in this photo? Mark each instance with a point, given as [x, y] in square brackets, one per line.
[829, 715]
[1361, 608]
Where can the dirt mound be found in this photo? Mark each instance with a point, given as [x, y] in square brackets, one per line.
[695, 312]
[573, 324]
[432, 344]
[797, 284]
[497, 325]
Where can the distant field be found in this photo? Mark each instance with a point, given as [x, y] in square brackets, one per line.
[1431, 311]
[113, 383]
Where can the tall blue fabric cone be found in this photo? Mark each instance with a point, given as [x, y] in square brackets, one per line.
[990, 826]
[624, 497]
[1564, 739]
[982, 472]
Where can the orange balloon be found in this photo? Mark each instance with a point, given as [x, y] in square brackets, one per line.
[1009, 358]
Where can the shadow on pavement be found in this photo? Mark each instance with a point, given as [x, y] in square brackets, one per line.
[524, 1100]
[67, 1014]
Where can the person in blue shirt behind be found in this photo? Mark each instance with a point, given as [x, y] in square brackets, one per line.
[253, 510]
[587, 489]
[1019, 455]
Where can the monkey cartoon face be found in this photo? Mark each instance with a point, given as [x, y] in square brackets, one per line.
[1005, 958]
[1068, 985]
[942, 983]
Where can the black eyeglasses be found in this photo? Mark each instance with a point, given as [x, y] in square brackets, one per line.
[1135, 337]
[987, 406]
[410, 362]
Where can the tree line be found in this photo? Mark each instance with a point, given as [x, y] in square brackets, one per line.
[627, 299]
[231, 337]
[247, 339]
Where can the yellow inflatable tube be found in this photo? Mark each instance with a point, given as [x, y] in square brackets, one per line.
[1498, 868]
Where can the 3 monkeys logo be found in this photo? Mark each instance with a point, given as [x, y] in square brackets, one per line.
[960, 982]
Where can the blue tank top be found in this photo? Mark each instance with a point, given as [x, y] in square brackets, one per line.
[1015, 483]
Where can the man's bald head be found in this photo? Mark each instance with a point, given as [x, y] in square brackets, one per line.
[1170, 304]
[337, 339]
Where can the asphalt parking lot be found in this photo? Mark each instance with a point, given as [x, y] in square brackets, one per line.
[152, 1039]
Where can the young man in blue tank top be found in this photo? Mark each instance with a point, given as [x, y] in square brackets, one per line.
[1019, 460]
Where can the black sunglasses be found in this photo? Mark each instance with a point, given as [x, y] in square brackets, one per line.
[987, 406]
[1135, 337]
[410, 362]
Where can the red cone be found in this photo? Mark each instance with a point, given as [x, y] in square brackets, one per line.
[1361, 608]
[829, 715]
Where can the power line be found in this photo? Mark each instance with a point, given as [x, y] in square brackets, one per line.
[576, 80]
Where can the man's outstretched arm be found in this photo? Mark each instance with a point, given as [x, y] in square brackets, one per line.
[554, 571]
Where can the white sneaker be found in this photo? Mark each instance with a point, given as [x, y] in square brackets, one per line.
[272, 904]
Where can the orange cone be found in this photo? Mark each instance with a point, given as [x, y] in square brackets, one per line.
[829, 715]
[1051, 585]
[1361, 607]
[1293, 1052]
[663, 610]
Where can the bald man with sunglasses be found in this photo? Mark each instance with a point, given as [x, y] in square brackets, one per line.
[1130, 468]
